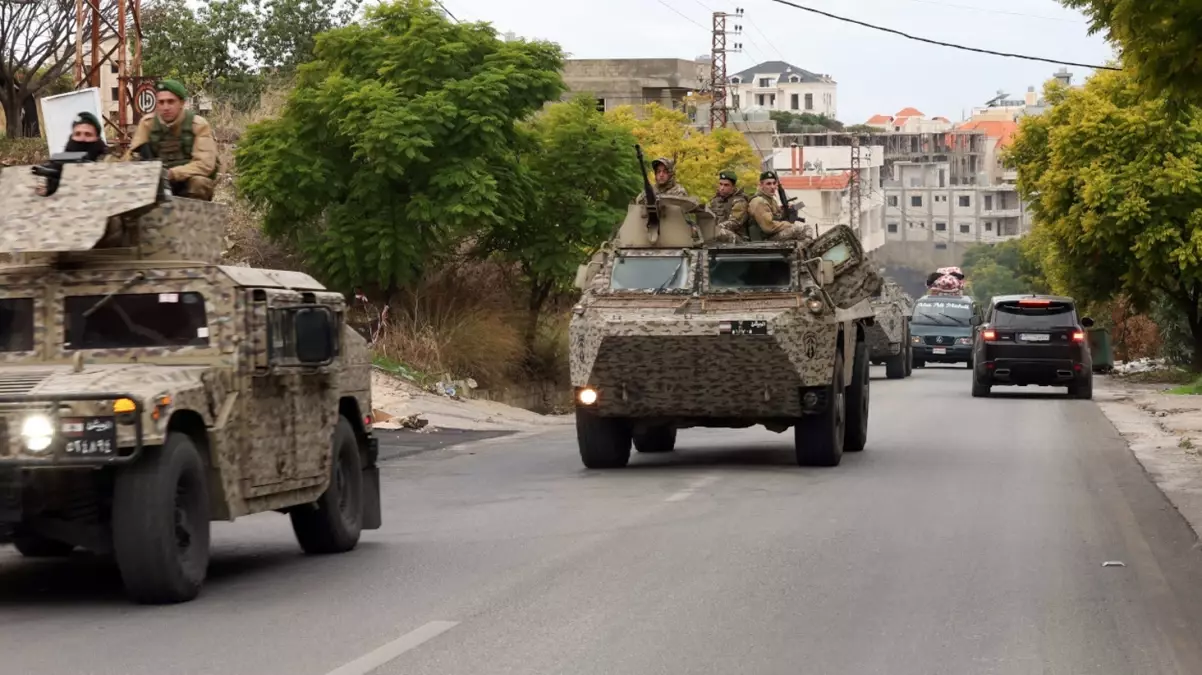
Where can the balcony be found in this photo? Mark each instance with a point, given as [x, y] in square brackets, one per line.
[1003, 213]
[1010, 175]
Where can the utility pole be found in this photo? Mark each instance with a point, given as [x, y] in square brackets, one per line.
[95, 22]
[854, 195]
[718, 51]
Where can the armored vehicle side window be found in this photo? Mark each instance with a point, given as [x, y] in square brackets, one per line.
[16, 325]
[750, 270]
[136, 320]
[650, 272]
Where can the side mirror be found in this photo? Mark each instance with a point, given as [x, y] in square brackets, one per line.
[826, 272]
[585, 274]
[1087, 322]
[313, 330]
[975, 321]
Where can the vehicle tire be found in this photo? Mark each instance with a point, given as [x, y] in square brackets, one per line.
[909, 347]
[980, 390]
[37, 546]
[161, 523]
[919, 363]
[968, 364]
[855, 434]
[656, 439]
[818, 439]
[895, 367]
[1082, 391]
[604, 441]
[333, 523]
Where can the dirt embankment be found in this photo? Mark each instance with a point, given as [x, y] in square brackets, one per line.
[401, 404]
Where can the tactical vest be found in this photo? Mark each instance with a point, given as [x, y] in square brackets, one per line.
[754, 231]
[175, 150]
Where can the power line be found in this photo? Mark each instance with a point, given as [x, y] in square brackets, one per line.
[937, 42]
[1000, 11]
[444, 8]
[770, 42]
[683, 15]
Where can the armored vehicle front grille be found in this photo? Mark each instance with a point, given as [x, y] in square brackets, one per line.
[16, 384]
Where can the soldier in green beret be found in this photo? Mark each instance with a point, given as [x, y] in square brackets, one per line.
[85, 137]
[767, 213]
[729, 206]
[181, 139]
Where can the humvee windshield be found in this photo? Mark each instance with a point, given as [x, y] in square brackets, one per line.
[750, 270]
[16, 324]
[650, 272]
[136, 320]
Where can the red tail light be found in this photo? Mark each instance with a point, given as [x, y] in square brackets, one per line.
[1078, 336]
[989, 335]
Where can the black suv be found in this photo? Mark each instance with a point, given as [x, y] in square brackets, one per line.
[1033, 339]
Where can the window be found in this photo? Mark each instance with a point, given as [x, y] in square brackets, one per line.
[988, 202]
[892, 227]
[942, 312]
[16, 325]
[113, 68]
[941, 227]
[964, 228]
[916, 200]
[988, 226]
[809, 101]
[764, 82]
[772, 100]
[759, 99]
[892, 200]
[136, 320]
[114, 94]
[749, 270]
[600, 105]
[793, 101]
[941, 246]
[734, 101]
[795, 79]
[735, 80]
[965, 200]
[650, 273]
[1010, 315]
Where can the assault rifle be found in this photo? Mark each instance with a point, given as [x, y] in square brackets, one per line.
[648, 191]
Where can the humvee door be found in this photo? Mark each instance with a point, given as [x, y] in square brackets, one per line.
[855, 276]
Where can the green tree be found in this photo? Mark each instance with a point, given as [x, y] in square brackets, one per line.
[799, 123]
[1115, 183]
[1160, 38]
[584, 169]
[400, 138]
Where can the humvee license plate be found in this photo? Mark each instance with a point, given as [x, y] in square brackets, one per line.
[89, 436]
[743, 328]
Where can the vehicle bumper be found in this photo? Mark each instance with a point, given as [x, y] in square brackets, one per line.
[127, 443]
[633, 403]
[953, 353]
[1041, 372]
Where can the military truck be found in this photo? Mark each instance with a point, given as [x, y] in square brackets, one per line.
[673, 332]
[889, 334]
[146, 389]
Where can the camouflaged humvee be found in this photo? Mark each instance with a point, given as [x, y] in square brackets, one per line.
[889, 335]
[672, 332]
[146, 389]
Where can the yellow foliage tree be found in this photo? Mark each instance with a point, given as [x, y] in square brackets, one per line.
[699, 156]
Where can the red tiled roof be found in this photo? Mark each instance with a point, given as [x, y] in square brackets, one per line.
[816, 182]
[909, 112]
[1002, 130]
[879, 119]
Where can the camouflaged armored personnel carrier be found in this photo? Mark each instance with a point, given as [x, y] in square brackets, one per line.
[672, 332]
[146, 389]
[889, 334]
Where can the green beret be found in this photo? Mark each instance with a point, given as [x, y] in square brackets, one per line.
[728, 175]
[86, 118]
[768, 175]
[173, 86]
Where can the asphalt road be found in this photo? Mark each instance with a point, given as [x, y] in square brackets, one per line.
[968, 538]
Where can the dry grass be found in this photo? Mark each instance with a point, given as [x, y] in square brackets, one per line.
[549, 358]
[21, 151]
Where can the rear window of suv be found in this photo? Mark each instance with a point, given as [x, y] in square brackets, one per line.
[1041, 315]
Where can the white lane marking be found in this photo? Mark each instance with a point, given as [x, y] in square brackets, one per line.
[693, 487]
[378, 657]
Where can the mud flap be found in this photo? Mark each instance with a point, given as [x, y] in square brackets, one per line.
[372, 518]
[856, 279]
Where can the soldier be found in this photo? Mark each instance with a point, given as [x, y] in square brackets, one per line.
[767, 214]
[729, 206]
[665, 180]
[183, 141]
[85, 137]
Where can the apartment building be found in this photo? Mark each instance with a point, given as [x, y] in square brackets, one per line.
[777, 85]
[821, 177]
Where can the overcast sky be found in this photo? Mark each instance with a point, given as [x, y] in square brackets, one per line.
[877, 72]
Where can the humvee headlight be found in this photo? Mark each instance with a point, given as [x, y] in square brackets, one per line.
[124, 405]
[587, 396]
[38, 432]
[816, 305]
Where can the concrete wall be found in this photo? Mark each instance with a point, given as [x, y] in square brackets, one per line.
[633, 81]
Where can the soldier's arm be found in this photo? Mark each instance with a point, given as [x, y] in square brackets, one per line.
[141, 135]
[762, 213]
[204, 153]
[738, 215]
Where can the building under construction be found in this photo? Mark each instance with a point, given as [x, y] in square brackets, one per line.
[967, 153]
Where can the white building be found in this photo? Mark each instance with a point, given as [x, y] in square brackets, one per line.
[776, 85]
[820, 178]
[910, 121]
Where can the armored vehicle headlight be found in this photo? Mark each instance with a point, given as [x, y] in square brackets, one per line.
[588, 396]
[38, 432]
[816, 305]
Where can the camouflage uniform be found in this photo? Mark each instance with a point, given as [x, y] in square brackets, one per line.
[671, 187]
[731, 213]
[189, 153]
[768, 214]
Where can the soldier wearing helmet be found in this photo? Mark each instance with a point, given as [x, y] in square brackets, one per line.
[665, 180]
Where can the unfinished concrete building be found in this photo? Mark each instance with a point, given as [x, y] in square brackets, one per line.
[634, 82]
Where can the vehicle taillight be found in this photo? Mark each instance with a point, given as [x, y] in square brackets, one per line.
[989, 335]
[1078, 336]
